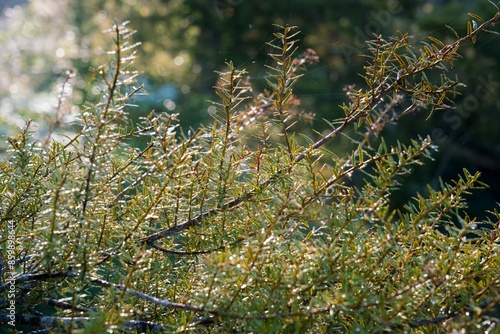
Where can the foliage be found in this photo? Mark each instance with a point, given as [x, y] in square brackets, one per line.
[248, 225]
[183, 42]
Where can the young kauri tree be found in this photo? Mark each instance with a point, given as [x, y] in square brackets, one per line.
[248, 225]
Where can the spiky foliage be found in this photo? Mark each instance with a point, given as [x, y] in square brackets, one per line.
[248, 225]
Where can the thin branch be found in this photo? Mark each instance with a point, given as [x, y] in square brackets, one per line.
[36, 277]
[236, 201]
[202, 216]
[153, 168]
[208, 251]
[355, 116]
[67, 306]
[16, 263]
[76, 322]
[111, 93]
[162, 302]
[443, 317]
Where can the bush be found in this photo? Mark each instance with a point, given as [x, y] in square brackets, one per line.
[249, 225]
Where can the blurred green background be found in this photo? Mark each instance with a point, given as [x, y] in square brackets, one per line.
[185, 41]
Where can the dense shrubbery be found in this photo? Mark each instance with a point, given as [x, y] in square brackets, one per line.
[248, 225]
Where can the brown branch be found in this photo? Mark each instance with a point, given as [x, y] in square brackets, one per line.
[162, 302]
[202, 216]
[208, 251]
[355, 116]
[250, 194]
[111, 93]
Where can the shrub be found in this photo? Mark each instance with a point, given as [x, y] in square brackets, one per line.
[248, 225]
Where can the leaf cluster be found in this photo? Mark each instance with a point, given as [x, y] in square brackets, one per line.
[248, 225]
